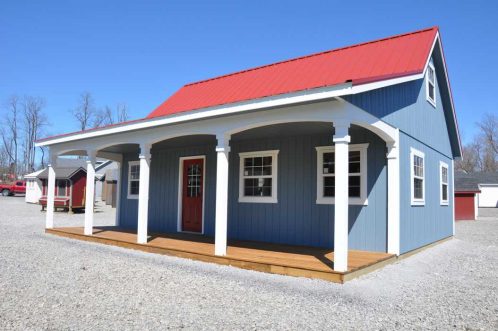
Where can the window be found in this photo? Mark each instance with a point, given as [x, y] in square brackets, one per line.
[357, 174]
[61, 188]
[133, 179]
[431, 85]
[258, 177]
[443, 170]
[417, 177]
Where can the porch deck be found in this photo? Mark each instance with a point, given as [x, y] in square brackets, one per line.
[271, 258]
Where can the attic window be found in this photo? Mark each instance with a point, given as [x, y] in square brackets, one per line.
[431, 85]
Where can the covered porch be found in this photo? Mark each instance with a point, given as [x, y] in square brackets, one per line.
[298, 199]
[288, 260]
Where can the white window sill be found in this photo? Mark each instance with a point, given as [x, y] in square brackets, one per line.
[258, 200]
[352, 201]
[418, 202]
[132, 197]
[444, 203]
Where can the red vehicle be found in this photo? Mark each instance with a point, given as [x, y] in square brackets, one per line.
[18, 187]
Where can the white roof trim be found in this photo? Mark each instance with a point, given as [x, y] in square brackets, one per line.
[231, 109]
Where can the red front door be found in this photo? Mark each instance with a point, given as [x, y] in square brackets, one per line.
[193, 182]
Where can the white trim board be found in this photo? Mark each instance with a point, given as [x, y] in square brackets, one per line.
[294, 98]
[180, 191]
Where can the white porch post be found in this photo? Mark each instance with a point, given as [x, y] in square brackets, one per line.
[341, 209]
[90, 191]
[220, 239]
[143, 193]
[118, 192]
[393, 199]
[49, 220]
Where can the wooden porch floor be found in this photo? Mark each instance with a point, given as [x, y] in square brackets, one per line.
[280, 259]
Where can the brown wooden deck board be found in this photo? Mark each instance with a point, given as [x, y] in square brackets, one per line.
[282, 259]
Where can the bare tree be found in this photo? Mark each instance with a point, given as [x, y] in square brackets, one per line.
[34, 120]
[85, 111]
[10, 133]
[489, 131]
[121, 113]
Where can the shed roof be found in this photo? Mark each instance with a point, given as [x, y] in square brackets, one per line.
[378, 60]
[33, 174]
[470, 182]
[61, 173]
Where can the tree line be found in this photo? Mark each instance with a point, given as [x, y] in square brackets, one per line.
[23, 121]
[481, 154]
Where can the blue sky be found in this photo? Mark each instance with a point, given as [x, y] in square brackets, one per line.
[140, 52]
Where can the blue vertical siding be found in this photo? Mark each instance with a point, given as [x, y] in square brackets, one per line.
[404, 106]
[422, 225]
[297, 219]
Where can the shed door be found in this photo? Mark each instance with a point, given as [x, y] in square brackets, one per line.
[192, 192]
[464, 206]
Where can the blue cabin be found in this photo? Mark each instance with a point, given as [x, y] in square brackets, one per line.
[349, 149]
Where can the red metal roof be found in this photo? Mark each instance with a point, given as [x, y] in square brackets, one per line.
[373, 61]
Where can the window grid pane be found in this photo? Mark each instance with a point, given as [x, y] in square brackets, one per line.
[258, 171]
[328, 173]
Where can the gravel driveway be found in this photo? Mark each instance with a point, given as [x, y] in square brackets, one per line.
[48, 282]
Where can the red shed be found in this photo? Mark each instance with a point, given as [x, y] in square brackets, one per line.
[466, 190]
[70, 185]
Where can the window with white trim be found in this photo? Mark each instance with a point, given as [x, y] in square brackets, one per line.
[258, 176]
[133, 179]
[357, 174]
[431, 84]
[443, 170]
[417, 165]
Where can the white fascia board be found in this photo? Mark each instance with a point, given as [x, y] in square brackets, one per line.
[269, 102]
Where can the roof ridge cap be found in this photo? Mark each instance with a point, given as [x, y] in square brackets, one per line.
[313, 55]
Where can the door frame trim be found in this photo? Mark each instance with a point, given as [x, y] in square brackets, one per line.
[180, 191]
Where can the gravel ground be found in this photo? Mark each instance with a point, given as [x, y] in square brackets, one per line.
[48, 282]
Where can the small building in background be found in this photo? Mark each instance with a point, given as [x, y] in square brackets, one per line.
[474, 191]
[70, 184]
[33, 187]
[101, 170]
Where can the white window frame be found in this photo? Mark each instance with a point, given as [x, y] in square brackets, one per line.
[441, 183]
[363, 199]
[130, 164]
[417, 202]
[428, 82]
[274, 177]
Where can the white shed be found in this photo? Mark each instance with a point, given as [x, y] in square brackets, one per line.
[488, 196]
[33, 187]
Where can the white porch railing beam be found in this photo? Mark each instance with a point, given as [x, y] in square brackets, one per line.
[222, 151]
[341, 209]
[49, 218]
[90, 192]
[143, 193]
[393, 198]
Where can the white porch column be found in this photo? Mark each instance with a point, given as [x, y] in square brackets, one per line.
[220, 239]
[393, 198]
[341, 209]
[118, 192]
[49, 220]
[143, 193]
[90, 191]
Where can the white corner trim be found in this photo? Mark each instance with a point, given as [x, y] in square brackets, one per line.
[274, 177]
[417, 202]
[363, 199]
[180, 191]
[441, 166]
[128, 195]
